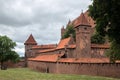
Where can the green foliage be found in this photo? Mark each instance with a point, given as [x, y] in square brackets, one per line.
[97, 39]
[27, 74]
[69, 30]
[6, 50]
[114, 52]
[106, 13]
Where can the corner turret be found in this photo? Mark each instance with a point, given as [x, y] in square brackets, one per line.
[83, 42]
[62, 31]
[29, 43]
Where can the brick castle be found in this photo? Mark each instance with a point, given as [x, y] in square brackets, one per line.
[69, 56]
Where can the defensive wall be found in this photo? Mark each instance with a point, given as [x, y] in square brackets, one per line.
[94, 69]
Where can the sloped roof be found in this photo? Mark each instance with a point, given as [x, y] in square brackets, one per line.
[46, 50]
[63, 42]
[90, 20]
[61, 45]
[47, 57]
[81, 20]
[72, 46]
[56, 58]
[30, 40]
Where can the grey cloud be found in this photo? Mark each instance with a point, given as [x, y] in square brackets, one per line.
[42, 18]
[14, 13]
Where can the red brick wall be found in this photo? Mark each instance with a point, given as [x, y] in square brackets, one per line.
[96, 69]
[98, 52]
[83, 42]
[10, 64]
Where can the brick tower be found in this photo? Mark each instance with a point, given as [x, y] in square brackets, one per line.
[29, 43]
[62, 31]
[69, 23]
[83, 42]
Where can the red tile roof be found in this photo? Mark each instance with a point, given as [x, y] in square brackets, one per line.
[67, 60]
[72, 46]
[90, 20]
[81, 20]
[47, 50]
[103, 46]
[56, 57]
[63, 42]
[30, 40]
[61, 45]
[47, 57]
[48, 46]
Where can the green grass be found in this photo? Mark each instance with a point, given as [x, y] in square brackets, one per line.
[27, 74]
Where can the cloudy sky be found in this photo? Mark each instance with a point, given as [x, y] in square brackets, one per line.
[42, 18]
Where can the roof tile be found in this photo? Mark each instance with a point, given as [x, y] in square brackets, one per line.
[30, 40]
[47, 57]
[81, 20]
[63, 42]
[90, 20]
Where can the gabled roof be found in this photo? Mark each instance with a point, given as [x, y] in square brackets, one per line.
[63, 43]
[81, 20]
[30, 40]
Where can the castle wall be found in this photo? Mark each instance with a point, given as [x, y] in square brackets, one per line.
[98, 52]
[95, 69]
[83, 43]
[10, 64]
[71, 53]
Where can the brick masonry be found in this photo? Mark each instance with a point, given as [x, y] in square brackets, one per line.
[94, 69]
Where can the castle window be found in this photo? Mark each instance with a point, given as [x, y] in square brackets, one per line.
[77, 29]
[85, 37]
[85, 28]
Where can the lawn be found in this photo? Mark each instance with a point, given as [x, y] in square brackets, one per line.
[27, 74]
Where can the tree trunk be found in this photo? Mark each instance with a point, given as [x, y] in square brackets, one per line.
[3, 67]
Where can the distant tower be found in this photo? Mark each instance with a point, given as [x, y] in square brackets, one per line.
[83, 42]
[69, 23]
[62, 31]
[29, 43]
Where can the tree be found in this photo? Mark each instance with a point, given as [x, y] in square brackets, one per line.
[69, 30]
[6, 51]
[97, 39]
[106, 13]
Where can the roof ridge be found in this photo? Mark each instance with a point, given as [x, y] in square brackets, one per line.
[30, 40]
[81, 20]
